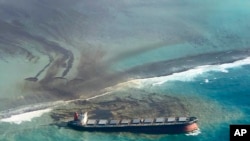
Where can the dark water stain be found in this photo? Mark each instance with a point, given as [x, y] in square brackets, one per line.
[148, 105]
[93, 73]
[167, 67]
[51, 59]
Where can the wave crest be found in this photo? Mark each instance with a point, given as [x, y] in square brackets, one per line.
[18, 119]
[191, 74]
[194, 133]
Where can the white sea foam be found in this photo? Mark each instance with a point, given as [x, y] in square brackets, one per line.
[194, 133]
[191, 74]
[28, 112]
[98, 96]
[188, 75]
[17, 119]
[90, 98]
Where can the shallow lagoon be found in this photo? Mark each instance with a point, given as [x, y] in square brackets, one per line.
[86, 48]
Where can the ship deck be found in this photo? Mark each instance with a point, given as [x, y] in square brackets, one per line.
[136, 122]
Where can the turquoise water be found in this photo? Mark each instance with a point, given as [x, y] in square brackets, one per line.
[190, 28]
[218, 102]
[109, 37]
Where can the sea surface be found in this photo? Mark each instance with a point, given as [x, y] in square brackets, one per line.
[219, 98]
[53, 52]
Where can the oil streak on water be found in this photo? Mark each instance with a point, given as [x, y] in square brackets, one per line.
[213, 124]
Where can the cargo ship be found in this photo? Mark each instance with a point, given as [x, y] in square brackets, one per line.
[159, 125]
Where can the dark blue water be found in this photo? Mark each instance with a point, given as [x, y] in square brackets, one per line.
[225, 100]
[133, 33]
[218, 99]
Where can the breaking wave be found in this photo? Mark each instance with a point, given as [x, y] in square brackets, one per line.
[20, 114]
[18, 119]
[190, 75]
[194, 133]
[29, 112]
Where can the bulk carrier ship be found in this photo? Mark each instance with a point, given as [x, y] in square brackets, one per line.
[159, 125]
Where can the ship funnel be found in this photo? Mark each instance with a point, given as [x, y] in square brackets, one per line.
[75, 116]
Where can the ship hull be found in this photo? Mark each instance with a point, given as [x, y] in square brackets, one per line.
[147, 129]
